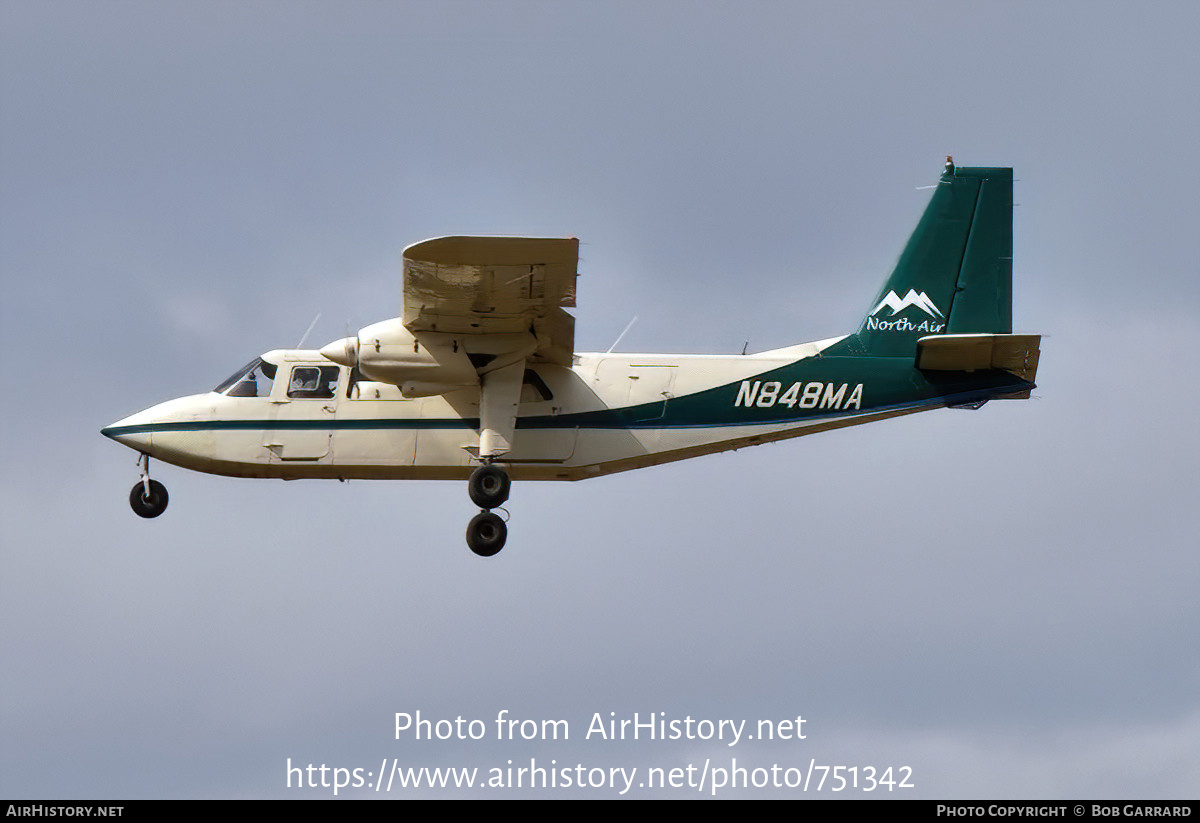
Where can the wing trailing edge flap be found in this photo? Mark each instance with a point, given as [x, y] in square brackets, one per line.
[1014, 353]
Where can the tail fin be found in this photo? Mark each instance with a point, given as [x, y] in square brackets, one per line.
[955, 275]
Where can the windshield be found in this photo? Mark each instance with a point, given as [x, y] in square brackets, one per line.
[252, 380]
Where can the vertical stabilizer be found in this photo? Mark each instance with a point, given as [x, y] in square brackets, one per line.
[955, 274]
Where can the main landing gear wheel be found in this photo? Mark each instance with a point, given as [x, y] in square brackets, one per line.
[486, 534]
[488, 486]
[152, 504]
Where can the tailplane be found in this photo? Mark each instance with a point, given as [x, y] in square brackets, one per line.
[1017, 354]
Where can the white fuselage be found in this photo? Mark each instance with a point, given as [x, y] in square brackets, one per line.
[367, 429]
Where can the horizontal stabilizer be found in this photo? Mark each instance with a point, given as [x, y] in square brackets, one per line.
[1015, 353]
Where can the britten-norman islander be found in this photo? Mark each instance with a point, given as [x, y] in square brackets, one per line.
[479, 380]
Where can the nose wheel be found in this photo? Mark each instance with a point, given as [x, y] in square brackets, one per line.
[488, 488]
[148, 498]
[148, 504]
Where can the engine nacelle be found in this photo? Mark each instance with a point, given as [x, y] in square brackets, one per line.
[389, 353]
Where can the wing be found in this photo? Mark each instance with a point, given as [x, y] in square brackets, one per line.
[495, 285]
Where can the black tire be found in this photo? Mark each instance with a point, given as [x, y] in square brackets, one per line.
[489, 486]
[486, 534]
[151, 506]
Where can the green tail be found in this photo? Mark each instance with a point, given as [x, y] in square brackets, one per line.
[955, 275]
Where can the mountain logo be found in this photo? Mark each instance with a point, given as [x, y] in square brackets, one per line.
[913, 298]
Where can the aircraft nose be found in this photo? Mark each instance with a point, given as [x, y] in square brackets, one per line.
[128, 432]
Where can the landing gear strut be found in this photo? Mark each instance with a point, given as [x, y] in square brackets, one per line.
[147, 498]
[488, 487]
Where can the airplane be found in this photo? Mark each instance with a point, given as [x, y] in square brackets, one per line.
[479, 379]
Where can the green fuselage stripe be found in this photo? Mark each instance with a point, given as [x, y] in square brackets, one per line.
[886, 389]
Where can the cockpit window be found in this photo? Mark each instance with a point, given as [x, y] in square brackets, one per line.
[313, 381]
[252, 380]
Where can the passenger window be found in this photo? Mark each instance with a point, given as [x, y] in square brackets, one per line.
[534, 389]
[313, 382]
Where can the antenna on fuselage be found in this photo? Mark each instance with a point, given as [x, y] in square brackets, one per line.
[622, 334]
[311, 325]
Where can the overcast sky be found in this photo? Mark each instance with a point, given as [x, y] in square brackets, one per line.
[1003, 601]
